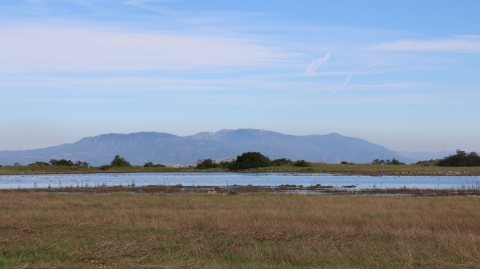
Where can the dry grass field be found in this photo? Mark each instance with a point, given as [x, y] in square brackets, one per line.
[237, 231]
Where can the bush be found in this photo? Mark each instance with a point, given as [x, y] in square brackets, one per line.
[301, 163]
[430, 162]
[207, 164]
[105, 167]
[461, 159]
[150, 164]
[80, 163]
[39, 164]
[388, 162]
[281, 162]
[61, 162]
[227, 164]
[120, 162]
[396, 162]
[250, 160]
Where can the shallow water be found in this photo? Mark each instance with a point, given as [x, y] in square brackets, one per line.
[225, 179]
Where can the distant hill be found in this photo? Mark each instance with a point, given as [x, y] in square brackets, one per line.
[142, 147]
[425, 155]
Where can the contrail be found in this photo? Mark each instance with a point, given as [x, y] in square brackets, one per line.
[347, 80]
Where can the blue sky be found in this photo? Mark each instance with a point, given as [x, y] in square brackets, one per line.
[402, 74]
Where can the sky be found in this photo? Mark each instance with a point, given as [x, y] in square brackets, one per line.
[402, 74]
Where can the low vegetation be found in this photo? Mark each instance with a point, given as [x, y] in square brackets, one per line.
[119, 161]
[208, 164]
[388, 162]
[237, 231]
[249, 160]
[461, 159]
[460, 164]
[150, 164]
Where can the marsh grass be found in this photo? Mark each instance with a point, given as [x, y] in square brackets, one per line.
[124, 230]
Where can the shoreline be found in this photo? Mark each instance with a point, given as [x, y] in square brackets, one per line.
[437, 171]
[289, 189]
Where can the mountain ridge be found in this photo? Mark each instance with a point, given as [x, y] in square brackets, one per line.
[159, 147]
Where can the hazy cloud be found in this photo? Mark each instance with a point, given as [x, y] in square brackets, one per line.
[466, 44]
[315, 64]
[71, 49]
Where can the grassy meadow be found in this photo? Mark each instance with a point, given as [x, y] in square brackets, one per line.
[237, 231]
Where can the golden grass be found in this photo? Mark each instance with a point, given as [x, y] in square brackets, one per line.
[239, 231]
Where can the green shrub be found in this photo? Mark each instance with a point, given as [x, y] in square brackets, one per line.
[150, 164]
[39, 164]
[281, 162]
[301, 163]
[250, 160]
[105, 167]
[61, 162]
[119, 161]
[388, 162]
[207, 164]
[461, 159]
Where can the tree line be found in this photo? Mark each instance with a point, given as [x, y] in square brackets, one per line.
[250, 160]
[461, 158]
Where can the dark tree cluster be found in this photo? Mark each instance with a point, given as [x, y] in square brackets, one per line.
[281, 162]
[301, 163]
[39, 164]
[119, 162]
[430, 162]
[116, 162]
[249, 160]
[209, 163]
[462, 158]
[150, 164]
[63, 162]
[388, 162]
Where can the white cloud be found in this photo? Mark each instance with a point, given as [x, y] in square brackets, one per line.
[88, 49]
[312, 67]
[464, 44]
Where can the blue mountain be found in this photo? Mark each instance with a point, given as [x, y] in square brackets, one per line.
[138, 148]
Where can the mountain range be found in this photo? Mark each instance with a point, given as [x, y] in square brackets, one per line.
[142, 147]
